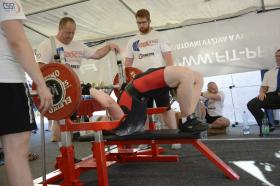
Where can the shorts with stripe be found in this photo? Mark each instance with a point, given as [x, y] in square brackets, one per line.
[151, 84]
[16, 109]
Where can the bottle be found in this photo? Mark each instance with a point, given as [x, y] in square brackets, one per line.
[265, 126]
[203, 134]
[245, 127]
[60, 52]
[157, 121]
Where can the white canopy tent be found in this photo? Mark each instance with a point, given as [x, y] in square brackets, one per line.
[105, 19]
[215, 37]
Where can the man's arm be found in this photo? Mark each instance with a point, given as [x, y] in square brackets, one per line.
[166, 50]
[212, 96]
[168, 58]
[128, 54]
[23, 52]
[22, 49]
[41, 64]
[128, 62]
[100, 53]
[262, 92]
[264, 87]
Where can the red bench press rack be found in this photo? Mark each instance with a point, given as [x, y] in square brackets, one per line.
[70, 172]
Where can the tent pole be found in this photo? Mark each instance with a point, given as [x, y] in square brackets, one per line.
[263, 5]
[34, 30]
[126, 6]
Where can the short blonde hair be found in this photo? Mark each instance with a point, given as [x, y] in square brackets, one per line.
[65, 20]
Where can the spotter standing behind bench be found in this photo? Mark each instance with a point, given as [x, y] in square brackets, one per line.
[149, 85]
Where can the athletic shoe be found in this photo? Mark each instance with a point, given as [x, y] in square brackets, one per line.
[76, 160]
[144, 147]
[33, 156]
[193, 125]
[271, 128]
[176, 146]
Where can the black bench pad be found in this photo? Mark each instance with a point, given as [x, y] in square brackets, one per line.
[154, 135]
[148, 135]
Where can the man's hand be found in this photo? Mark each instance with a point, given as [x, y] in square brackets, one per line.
[53, 61]
[46, 98]
[115, 48]
[261, 96]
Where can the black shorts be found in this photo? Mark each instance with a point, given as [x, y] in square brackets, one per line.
[162, 100]
[211, 119]
[16, 109]
[136, 114]
[161, 96]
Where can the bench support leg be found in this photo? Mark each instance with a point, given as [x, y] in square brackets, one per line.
[215, 159]
[98, 149]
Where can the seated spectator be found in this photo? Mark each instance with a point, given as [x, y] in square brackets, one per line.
[269, 94]
[214, 107]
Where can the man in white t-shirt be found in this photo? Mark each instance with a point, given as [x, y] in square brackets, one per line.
[214, 107]
[17, 121]
[74, 52]
[269, 93]
[151, 49]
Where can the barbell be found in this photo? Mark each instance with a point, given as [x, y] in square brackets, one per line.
[130, 73]
[65, 87]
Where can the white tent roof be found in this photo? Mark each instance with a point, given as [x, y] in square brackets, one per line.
[105, 19]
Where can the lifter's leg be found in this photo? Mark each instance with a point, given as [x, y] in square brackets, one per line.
[107, 102]
[170, 119]
[189, 84]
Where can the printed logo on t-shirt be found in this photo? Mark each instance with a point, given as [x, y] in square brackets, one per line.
[136, 45]
[141, 56]
[73, 54]
[11, 6]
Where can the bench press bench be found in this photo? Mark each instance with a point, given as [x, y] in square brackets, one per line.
[100, 159]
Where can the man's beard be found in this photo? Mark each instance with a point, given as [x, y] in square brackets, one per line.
[145, 30]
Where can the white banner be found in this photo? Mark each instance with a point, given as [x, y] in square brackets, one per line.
[241, 44]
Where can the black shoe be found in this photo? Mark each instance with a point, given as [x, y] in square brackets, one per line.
[271, 128]
[76, 136]
[193, 125]
[77, 160]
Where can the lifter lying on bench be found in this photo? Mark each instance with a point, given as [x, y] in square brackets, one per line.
[150, 84]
